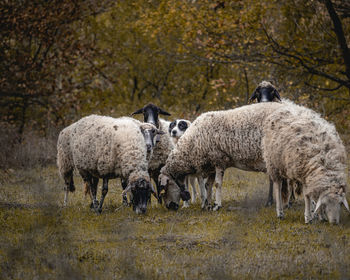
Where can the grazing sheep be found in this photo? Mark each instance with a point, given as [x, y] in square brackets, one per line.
[301, 146]
[105, 147]
[176, 129]
[216, 141]
[164, 144]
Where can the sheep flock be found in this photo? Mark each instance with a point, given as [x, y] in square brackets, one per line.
[292, 144]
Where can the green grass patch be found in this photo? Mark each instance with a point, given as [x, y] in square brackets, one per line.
[41, 239]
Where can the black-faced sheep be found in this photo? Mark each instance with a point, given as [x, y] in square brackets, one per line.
[105, 147]
[164, 144]
[266, 92]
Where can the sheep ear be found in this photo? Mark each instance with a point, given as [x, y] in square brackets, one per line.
[139, 111]
[254, 95]
[161, 111]
[318, 205]
[345, 202]
[276, 94]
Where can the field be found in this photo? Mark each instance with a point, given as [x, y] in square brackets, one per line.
[40, 239]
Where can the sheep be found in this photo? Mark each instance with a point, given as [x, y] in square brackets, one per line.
[105, 147]
[215, 141]
[176, 129]
[301, 146]
[266, 92]
[164, 144]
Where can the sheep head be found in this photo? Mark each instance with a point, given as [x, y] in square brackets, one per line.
[149, 132]
[265, 92]
[150, 113]
[171, 191]
[329, 204]
[141, 191]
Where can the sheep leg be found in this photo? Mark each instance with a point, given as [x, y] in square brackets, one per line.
[125, 198]
[270, 196]
[277, 186]
[186, 204]
[209, 187]
[104, 193]
[307, 213]
[93, 191]
[192, 182]
[202, 190]
[219, 176]
[69, 186]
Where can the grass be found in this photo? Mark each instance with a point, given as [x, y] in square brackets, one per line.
[40, 239]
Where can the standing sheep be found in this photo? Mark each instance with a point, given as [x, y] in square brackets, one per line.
[301, 146]
[266, 92]
[215, 141]
[164, 144]
[105, 147]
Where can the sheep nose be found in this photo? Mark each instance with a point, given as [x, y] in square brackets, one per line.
[143, 210]
[173, 133]
[173, 206]
[149, 147]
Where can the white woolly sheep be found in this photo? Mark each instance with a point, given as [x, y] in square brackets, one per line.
[218, 140]
[105, 147]
[301, 146]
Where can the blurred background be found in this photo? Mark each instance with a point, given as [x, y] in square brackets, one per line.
[61, 60]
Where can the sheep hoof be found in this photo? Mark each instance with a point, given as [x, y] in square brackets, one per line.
[308, 219]
[185, 205]
[204, 204]
[125, 201]
[216, 207]
[280, 216]
[269, 203]
[209, 207]
[99, 210]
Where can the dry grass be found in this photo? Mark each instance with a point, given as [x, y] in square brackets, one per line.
[41, 239]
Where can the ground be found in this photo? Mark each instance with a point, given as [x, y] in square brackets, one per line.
[41, 239]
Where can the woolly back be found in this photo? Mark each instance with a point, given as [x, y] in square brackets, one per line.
[224, 139]
[109, 146]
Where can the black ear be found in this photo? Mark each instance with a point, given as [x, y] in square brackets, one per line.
[139, 111]
[161, 111]
[276, 94]
[254, 95]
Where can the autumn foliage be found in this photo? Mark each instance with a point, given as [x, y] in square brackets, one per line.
[61, 60]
